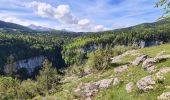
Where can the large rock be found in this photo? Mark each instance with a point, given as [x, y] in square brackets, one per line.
[88, 90]
[129, 87]
[164, 96]
[146, 83]
[160, 74]
[104, 83]
[116, 81]
[119, 58]
[148, 63]
[163, 57]
[139, 60]
[151, 69]
[121, 69]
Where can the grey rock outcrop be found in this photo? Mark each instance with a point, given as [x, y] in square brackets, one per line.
[121, 69]
[160, 74]
[164, 96]
[119, 58]
[163, 57]
[148, 63]
[105, 83]
[144, 44]
[29, 64]
[139, 60]
[88, 90]
[116, 81]
[151, 69]
[129, 87]
[146, 83]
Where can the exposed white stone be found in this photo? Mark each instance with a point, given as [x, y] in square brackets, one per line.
[104, 83]
[151, 69]
[148, 63]
[119, 58]
[129, 87]
[29, 64]
[160, 74]
[89, 89]
[146, 83]
[116, 81]
[163, 57]
[164, 96]
[139, 59]
[121, 69]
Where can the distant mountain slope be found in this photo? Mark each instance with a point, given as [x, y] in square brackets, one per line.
[8, 25]
[40, 28]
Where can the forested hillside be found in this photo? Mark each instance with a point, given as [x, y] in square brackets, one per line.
[23, 45]
[150, 33]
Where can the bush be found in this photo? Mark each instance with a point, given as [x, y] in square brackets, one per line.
[99, 60]
[28, 89]
[9, 88]
[75, 70]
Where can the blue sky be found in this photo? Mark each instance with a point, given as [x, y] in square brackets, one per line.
[79, 15]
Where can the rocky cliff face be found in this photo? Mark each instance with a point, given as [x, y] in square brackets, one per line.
[30, 64]
[144, 44]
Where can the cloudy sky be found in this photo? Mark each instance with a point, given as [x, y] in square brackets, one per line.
[79, 15]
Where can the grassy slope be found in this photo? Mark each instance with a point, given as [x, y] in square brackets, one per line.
[118, 92]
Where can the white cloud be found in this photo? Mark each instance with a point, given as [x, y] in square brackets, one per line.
[84, 22]
[99, 28]
[63, 14]
[13, 19]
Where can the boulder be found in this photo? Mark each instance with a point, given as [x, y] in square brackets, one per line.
[121, 69]
[129, 87]
[164, 96]
[119, 58]
[148, 63]
[139, 59]
[116, 81]
[104, 83]
[88, 90]
[160, 74]
[146, 83]
[163, 57]
[151, 69]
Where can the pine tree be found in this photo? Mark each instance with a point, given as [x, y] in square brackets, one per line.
[48, 78]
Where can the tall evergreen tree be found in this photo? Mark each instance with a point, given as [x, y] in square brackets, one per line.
[48, 78]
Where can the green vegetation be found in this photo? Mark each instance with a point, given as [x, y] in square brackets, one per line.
[166, 5]
[74, 52]
[46, 83]
[118, 92]
[87, 58]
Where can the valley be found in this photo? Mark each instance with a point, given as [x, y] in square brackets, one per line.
[84, 50]
[92, 60]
